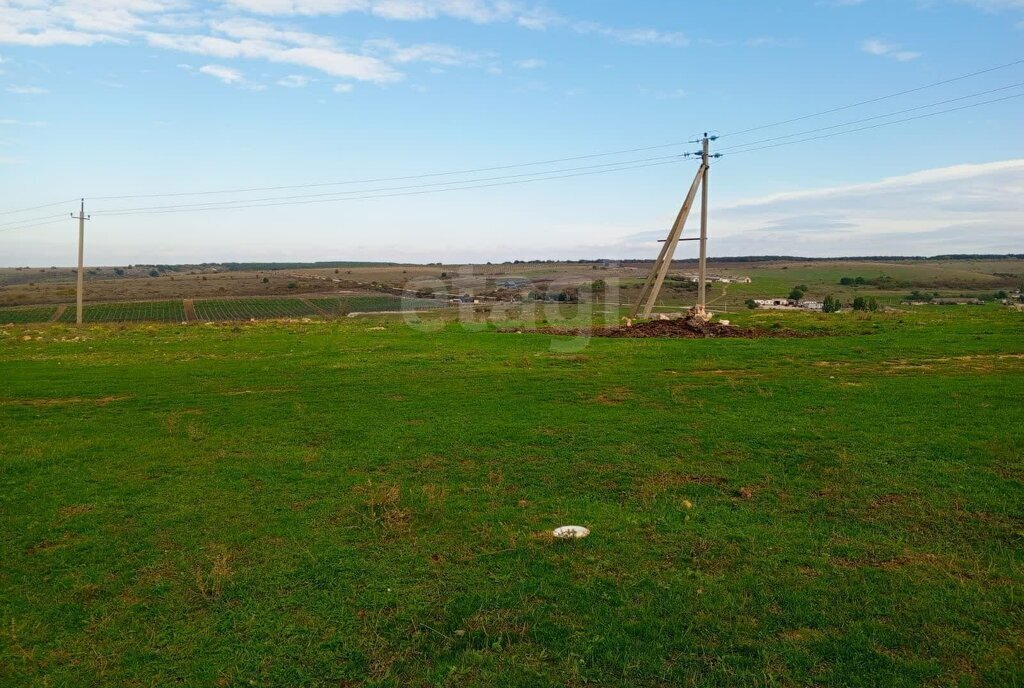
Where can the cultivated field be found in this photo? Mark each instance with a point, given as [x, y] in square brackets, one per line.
[217, 310]
[891, 281]
[245, 309]
[359, 502]
[128, 311]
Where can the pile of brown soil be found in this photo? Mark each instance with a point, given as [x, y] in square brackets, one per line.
[687, 327]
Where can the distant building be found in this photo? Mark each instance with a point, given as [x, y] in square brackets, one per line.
[957, 302]
[712, 278]
[776, 303]
[789, 304]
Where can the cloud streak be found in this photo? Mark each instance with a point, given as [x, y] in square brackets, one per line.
[225, 74]
[232, 32]
[973, 204]
[874, 46]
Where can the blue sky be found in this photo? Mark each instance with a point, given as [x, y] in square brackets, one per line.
[110, 98]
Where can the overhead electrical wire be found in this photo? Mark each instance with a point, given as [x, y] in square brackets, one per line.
[37, 207]
[186, 209]
[392, 179]
[341, 194]
[874, 100]
[876, 126]
[875, 117]
[539, 175]
[38, 224]
[34, 219]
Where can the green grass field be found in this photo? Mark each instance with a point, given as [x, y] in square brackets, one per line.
[357, 502]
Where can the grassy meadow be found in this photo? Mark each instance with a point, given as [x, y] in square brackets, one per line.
[359, 502]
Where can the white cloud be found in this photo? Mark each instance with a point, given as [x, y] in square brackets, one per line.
[673, 94]
[251, 29]
[76, 22]
[528, 16]
[225, 74]
[435, 53]
[230, 32]
[530, 63]
[333, 61]
[874, 46]
[764, 42]
[633, 36]
[478, 11]
[294, 81]
[971, 207]
[994, 5]
[343, 88]
[27, 90]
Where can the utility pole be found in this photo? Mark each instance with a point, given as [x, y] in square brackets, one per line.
[702, 268]
[656, 277]
[81, 260]
[652, 287]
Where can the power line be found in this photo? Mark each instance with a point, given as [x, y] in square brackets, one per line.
[869, 119]
[39, 224]
[470, 184]
[874, 100]
[340, 194]
[33, 219]
[532, 177]
[554, 160]
[565, 159]
[677, 159]
[393, 179]
[876, 126]
[37, 207]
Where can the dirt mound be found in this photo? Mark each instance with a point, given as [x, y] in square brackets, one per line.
[683, 327]
[686, 327]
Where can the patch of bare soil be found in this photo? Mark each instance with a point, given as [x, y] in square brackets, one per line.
[685, 328]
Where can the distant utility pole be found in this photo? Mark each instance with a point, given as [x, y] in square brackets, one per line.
[81, 260]
[656, 277]
[702, 269]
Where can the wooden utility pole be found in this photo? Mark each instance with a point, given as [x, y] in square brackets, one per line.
[81, 260]
[656, 277]
[702, 267]
[652, 287]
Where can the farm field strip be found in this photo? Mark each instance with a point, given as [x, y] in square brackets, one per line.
[26, 315]
[246, 309]
[128, 311]
[368, 304]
